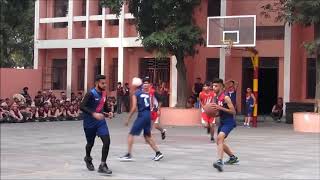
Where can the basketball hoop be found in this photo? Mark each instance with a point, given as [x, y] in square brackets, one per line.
[227, 46]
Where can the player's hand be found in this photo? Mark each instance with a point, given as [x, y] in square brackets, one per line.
[127, 122]
[215, 106]
[98, 116]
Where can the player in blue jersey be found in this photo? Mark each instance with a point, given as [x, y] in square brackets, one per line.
[224, 106]
[141, 100]
[95, 110]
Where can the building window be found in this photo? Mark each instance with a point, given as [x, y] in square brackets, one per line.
[113, 74]
[97, 67]
[59, 74]
[157, 69]
[60, 10]
[212, 68]
[311, 78]
[270, 32]
[114, 22]
[214, 7]
[81, 68]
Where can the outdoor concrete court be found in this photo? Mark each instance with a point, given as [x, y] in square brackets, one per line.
[56, 149]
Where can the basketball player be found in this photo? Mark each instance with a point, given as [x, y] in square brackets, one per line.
[155, 111]
[95, 109]
[224, 106]
[206, 97]
[141, 99]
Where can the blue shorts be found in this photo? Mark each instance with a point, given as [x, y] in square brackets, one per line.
[226, 126]
[143, 122]
[98, 130]
[249, 111]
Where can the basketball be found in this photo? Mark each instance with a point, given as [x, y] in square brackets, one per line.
[136, 82]
[209, 110]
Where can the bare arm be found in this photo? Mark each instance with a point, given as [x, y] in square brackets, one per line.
[254, 99]
[230, 108]
[133, 108]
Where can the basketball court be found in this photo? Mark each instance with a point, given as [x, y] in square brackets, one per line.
[55, 150]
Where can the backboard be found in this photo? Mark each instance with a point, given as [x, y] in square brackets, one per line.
[239, 30]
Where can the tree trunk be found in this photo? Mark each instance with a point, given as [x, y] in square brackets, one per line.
[182, 80]
[317, 37]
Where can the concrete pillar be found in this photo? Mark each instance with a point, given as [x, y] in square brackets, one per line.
[36, 34]
[70, 19]
[287, 64]
[86, 57]
[222, 62]
[120, 48]
[173, 82]
[69, 71]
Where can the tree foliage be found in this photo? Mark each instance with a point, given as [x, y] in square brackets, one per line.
[166, 27]
[16, 33]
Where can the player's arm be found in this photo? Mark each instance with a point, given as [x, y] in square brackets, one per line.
[201, 100]
[133, 108]
[254, 99]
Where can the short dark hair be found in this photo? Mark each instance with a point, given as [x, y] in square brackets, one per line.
[126, 84]
[232, 81]
[207, 83]
[99, 77]
[119, 83]
[217, 80]
[25, 88]
[147, 78]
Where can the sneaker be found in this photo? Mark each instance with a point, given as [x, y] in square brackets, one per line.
[104, 169]
[126, 158]
[158, 157]
[232, 160]
[163, 134]
[212, 139]
[218, 165]
[89, 164]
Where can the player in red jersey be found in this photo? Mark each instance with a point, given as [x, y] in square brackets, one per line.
[206, 97]
[155, 110]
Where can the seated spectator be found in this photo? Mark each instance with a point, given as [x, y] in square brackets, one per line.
[38, 99]
[277, 110]
[80, 96]
[33, 111]
[63, 96]
[46, 107]
[71, 113]
[7, 100]
[77, 109]
[25, 111]
[26, 95]
[191, 101]
[4, 111]
[73, 97]
[53, 113]
[50, 94]
[41, 114]
[15, 114]
[45, 96]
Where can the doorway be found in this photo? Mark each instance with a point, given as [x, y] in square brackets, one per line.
[268, 82]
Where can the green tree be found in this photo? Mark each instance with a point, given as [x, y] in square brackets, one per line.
[306, 13]
[166, 27]
[16, 33]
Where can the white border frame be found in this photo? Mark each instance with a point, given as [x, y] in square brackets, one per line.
[224, 35]
[230, 17]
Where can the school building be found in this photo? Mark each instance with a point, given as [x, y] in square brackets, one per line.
[77, 39]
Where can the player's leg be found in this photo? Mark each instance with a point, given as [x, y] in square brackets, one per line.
[90, 137]
[220, 141]
[103, 133]
[158, 126]
[212, 130]
[149, 139]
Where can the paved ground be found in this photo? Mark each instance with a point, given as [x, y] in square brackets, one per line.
[56, 149]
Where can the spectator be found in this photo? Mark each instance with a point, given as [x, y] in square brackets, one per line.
[77, 108]
[4, 111]
[277, 110]
[71, 113]
[45, 96]
[33, 111]
[73, 97]
[120, 93]
[50, 94]
[196, 89]
[231, 90]
[191, 102]
[26, 95]
[126, 97]
[164, 93]
[80, 96]
[63, 96]
[41, 114]
[25, 111]
[8, 102]
[250, 102]
[38, 99]
[46, 107]
[53, 113]
[15, 114]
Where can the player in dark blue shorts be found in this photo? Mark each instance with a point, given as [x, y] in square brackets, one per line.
[224, 106]
[95, 110]
[141, 100]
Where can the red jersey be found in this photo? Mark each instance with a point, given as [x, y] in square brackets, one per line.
[206, 98]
